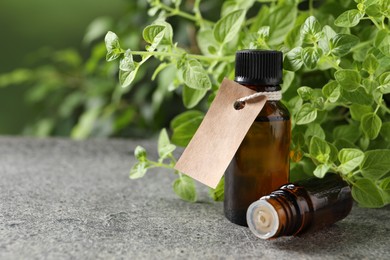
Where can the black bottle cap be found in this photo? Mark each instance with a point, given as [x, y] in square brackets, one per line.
[259, 67]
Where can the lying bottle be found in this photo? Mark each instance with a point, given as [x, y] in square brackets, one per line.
[297, 208]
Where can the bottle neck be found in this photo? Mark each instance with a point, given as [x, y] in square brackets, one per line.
[263, 88]
[281, 213]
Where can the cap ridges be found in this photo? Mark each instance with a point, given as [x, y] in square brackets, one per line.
[259, 67]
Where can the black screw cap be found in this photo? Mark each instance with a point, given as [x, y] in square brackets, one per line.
[259, 67]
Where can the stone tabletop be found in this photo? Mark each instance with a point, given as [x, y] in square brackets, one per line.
[62, 199]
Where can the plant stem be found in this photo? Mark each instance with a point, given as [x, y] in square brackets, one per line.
[172, 158]
[378, 104]
[311, 7]
[376, 23]
[198, 14]
[188, 16]
[162, 165]
[195, 56]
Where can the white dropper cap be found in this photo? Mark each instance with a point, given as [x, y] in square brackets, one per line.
[262, 219]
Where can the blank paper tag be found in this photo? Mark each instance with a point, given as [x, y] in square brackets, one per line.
[220, 134]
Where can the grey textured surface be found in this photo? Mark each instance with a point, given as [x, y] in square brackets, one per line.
[63, 199]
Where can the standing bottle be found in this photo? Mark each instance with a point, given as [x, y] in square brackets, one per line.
[261, 163]
[296, 208]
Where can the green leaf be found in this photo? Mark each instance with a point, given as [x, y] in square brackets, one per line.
[368, 3]
[331, 91]
[370, 64]
[374, 10]
[348, 79]
[384, 78]
[152, 31]
[370, 85]
[195, 76]
[112, 41]
[319, 103]
[341, 44]
[127, 62]
[376, 164]
[357, 111]
[305, 93]
[184, 187]
[346, 132]
[327, 62]
[325, 41]
[113, 47]
[138, 170]
[328, 32]
[349, 18]
[371, 125]
[314, 130]
[311, 30]
[165, 148]
[384, 186]
[333, 152]
[306, 115]
[367, 194]
[229, 26]
[233, 5]
[293, 60]
[342, 143]
[319, 149]
[350, 159]
[384, 89]
[364, 142]
[184, 126]
[281, 21]
[217, 194]
[127, 77]
[310, 56]
[293, 38]
[153, 34]
[191, 97]
[384, 81]
[113, 54]
[140, 153]
[288, 79]
[385, 7]
[382, 42]
[321, 170]
[359, 96]
[205, 40]
[168, 34]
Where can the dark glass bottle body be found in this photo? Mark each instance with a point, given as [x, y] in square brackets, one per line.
[261, 163]
[297, 208]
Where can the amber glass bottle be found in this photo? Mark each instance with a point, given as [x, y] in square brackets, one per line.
[261, 163]
[297, 208]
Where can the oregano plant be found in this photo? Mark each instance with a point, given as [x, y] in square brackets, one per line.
[336, 82]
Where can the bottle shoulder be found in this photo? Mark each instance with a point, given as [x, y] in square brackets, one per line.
[273, 110]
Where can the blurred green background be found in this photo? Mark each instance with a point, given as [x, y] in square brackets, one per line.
[30, 28]
[54, 80]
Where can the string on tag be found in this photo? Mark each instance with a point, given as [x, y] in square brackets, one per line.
[271, 96]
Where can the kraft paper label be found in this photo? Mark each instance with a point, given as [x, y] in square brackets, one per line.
[221, 132]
